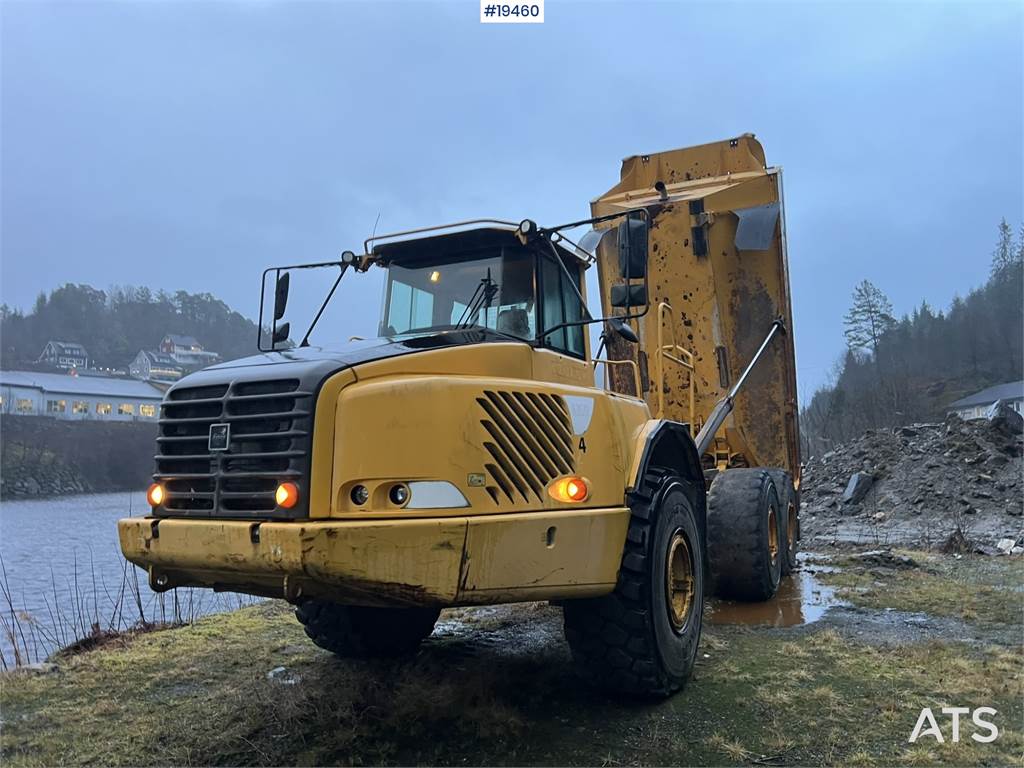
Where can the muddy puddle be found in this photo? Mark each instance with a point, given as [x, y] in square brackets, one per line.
[527, 628]
[801, 599]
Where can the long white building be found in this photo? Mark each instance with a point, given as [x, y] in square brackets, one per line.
[30, 393]
[976, 406]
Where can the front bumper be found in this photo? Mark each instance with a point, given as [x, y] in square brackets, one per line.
[436, 561]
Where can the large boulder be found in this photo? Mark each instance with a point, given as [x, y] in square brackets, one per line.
[1003, 418]
[858, 487]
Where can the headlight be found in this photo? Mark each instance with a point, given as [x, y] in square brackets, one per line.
[155, 495]
[359, 495]
[287, 495]
[399, 494]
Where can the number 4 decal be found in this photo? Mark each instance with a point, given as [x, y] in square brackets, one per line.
[583, 445]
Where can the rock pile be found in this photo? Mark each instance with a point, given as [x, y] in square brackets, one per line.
[928, 478]
[26, 471]
[44, 457]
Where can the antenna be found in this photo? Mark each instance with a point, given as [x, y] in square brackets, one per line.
[375, 223]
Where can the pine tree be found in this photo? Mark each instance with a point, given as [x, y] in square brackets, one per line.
[1007, 252]
[869, 318]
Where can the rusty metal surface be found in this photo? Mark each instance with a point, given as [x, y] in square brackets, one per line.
[463, 560]
[726, 298]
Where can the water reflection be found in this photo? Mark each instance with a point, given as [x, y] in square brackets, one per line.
[63, 572]
[800, 599]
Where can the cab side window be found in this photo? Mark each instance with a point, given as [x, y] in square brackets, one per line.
[410, 308]
[560, 304]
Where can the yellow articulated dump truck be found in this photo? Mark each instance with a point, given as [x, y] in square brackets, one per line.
[479, 452]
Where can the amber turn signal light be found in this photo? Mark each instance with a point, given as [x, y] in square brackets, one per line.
[573, 489]
[155, 495]
[287, 495]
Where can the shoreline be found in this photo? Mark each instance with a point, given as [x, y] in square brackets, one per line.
[7, 497]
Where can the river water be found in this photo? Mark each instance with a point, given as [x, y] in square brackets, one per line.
[63, 572]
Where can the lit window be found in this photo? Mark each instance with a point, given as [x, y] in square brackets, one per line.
[80, 406]
[103, 409]
[126, 409]
[147, 410]
[56, 406]
[24, 405]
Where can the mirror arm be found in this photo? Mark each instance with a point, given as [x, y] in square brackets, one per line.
[595, 220]
[586, 310]
[546, 234]
[565, 272]
[572, 323]
[341, 274]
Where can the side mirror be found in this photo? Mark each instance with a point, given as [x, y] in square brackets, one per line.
[281, 334]
[628, 295]
[623, 329]
[281, 298]
[633, 248]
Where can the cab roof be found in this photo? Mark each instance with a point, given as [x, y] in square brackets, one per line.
[444, 245]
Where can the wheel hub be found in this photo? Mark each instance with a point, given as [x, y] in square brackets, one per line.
[680, 581]
[773, 534]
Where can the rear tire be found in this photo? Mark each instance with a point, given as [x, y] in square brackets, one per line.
[789, 516]
[642, 638]
[357, 631]
[745, 535]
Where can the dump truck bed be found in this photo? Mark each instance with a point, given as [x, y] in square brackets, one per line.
[718, 278]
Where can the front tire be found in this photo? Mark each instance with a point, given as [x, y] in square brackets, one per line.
[355, 631]
[643, 638]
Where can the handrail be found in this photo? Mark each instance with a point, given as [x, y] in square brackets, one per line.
[631, 363]
[676, 354]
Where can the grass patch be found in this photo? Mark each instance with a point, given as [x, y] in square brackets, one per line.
[846, 702]
[978, 589]
[199, 695]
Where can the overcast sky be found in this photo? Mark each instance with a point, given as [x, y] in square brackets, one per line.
[189, 145]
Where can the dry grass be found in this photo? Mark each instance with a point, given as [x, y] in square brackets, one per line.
[731, 749]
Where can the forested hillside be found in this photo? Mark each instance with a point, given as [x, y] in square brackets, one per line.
[114, 326]
[898, 371]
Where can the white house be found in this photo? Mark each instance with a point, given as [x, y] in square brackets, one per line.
[61, 396]
[155, 366]
[976, 406]
[65, 355]
[187, 351]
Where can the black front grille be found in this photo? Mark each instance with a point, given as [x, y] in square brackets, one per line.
[270, 425]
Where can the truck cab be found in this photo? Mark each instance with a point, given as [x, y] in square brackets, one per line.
[448, 437]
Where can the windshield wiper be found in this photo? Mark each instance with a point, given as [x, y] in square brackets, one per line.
[483, 295]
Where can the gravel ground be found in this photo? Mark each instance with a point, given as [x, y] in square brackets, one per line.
[917, 485]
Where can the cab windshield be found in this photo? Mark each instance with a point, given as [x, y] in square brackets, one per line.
[492, 288]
